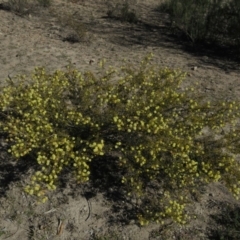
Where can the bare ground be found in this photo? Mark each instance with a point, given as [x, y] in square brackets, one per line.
[96, 210]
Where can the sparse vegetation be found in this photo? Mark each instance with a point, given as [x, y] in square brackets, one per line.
[77, 30]
[2, 232]
[20, 6]
[169, 140]
[122, 10]
[206, 20]
[45, 3]
[24, 7]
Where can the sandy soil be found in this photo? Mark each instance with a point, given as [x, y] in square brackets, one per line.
[90, 212]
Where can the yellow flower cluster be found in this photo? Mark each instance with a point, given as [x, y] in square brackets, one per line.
[98, 148]
[164, 134]
[175, 210]
[39, 120]
[163, 128]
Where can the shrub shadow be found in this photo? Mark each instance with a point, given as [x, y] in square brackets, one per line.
[12, 170]
[227, 223]
[157, 32]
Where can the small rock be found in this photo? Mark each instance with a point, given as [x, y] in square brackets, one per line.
[134, 201]
[139, 201]
[129, 206]
[91, 61]
[3, 143]
[194, 68]
[132, 222]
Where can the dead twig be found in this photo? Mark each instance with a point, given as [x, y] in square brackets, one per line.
[89, 209]
[51, 210]
[60, 227]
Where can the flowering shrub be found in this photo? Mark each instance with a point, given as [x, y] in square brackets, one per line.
[169, 139]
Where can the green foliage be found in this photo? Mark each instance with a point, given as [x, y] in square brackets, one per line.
[169, 139]
[224, 23]
[206, 20]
